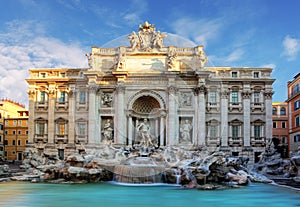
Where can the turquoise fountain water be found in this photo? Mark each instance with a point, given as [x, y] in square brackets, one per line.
[20, 194]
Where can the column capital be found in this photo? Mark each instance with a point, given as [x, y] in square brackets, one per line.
[224, 94]
[268, 95]
[200, 89]
[172, 90]
[93, 88]
[120, 88]
[246, 94]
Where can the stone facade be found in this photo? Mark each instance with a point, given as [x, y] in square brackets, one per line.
[167, 89]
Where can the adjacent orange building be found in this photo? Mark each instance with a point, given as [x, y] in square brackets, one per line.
[294, 112]
[13, 129]
[280, 126]
[16, 134]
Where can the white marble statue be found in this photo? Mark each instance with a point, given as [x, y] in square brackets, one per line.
[185, 129]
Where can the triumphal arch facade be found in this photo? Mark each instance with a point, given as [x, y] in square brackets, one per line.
[150, 94]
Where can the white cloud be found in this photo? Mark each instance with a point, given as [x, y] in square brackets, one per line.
[270, 65]
[24, 46]
[234, 55]
[200, 31]
[291, 48]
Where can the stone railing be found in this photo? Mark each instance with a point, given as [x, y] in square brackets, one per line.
[40, 138]
[235, 141]
[61, 105]
[235, 106]
[212, 106]
[81, 139]
[213, 141]
[258, 141]
[257, 106]
[41, 105]
[61, 138]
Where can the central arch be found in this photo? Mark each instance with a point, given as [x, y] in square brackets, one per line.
[147, 105]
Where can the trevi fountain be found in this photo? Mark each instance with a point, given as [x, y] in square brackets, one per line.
[153, 166]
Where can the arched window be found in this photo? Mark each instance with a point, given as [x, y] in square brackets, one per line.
[274, 111]
[282, 111]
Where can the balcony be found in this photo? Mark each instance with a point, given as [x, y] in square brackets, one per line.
[41, 105]
[213, 141]
[235, 106]
[61, 105]
[258, 141]
[61, 138]
[235, 141]
[40, 138]
[81, 139]
[210, 106]
[257, 106]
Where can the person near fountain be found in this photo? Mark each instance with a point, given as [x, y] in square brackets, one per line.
[144, 131]
[185, 129]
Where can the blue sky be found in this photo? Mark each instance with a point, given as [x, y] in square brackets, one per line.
[236, 33]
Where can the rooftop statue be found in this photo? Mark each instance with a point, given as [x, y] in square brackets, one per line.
[147, 38]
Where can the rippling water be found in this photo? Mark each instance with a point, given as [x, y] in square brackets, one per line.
[22, 194]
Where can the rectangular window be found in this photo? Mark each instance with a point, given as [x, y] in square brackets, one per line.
[257, 131]
[43, 75]
[14, 132]
[61, 129]
[297, 138]
[296, 105]
[62, 97]
[19, 142]
[1, 138]
[63, 75]
[283, 124]
[256, 97]
[256, 75]
[14, 142]
[1, 127]
[297, 121]
[274, 124]
[15, 123]
[213, 131]
[234, 97]
[20, 123]
[81, 129]
[43, 97]
[212, 97]
[283, 140]
[40, 128]
[296, 89]
[235, 131]
[19, 131]
[234, 74]
[82, 97]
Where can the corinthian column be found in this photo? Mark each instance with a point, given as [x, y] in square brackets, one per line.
[246, 111]
[120, 133]
[71, 128]
[268, 106]
[201, 115]
[224, 118]
[51, 112]
[92, 113]
[31, 123]
[171, 132]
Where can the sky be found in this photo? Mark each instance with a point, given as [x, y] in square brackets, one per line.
[234, 33]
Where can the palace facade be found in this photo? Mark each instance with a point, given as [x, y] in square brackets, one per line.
[183, 102]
